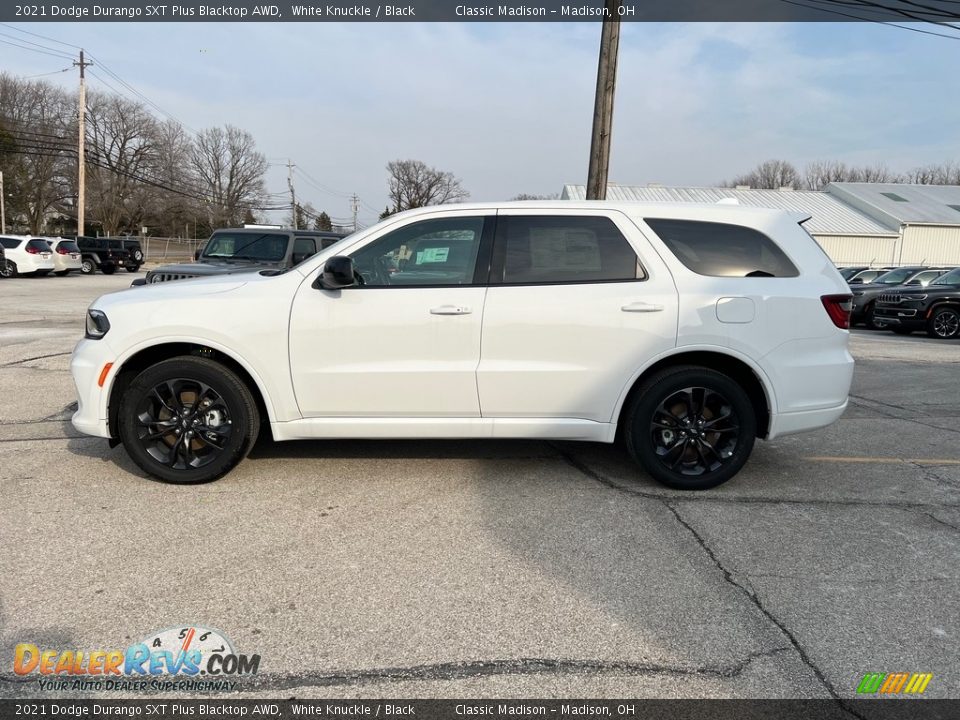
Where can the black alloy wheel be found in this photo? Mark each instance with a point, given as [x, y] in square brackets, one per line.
[691, 428]
[944, 323]
[187, 420]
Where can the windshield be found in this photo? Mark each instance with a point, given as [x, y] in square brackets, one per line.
[951, 278]
[895, 277]
[267, 247]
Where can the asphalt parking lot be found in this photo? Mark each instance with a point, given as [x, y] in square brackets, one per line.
[493, 569]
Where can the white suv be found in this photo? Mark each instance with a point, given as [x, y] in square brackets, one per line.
[686, 330]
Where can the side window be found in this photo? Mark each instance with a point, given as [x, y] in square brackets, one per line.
[928, 275]
[543, 249]
[328, 241]
[430, 252]
[723, 250]
[303, 247]
[9, 244]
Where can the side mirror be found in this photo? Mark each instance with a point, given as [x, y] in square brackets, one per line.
[196, 255]
[856, 281]
[915, 282]
[337, 273]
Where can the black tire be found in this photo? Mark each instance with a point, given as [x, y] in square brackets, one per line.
[868, 319]
[722, 427]
[901, 330]
[133, 269]
[87, 266]
[62, 273]
[9, 269]
[169, 388]
[108, 269]
[944, 323]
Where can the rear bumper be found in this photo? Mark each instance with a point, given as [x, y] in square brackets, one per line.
[804, 421]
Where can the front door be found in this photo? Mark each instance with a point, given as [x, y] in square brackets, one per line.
[406, 341]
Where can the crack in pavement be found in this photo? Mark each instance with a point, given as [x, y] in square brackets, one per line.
[726, 499]
[469, 669]
[38, 357]
[752, 597]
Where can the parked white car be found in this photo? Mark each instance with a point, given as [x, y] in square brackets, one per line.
[26, 255]
[66, 255]
[687, 330]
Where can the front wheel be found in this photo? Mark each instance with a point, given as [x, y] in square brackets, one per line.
[108, 269]
[690, 427]
[133, 268]
[869, 320]
[187, 420]
[944, 323]
[87, 267]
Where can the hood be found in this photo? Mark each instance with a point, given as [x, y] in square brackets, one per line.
[204, 269]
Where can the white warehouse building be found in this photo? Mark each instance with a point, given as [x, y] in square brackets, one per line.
[847, 219]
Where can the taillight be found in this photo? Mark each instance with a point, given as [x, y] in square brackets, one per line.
[61, 250]
[32, 250]
[838, 307]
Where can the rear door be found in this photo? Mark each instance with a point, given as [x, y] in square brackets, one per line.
[578, 301]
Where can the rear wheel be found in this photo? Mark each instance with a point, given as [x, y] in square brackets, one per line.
[87, 267]
[9, 269]
[690, 427]
[108, 269]
[187, 420]
[944, 323]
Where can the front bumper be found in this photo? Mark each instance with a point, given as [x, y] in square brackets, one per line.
[88, 361]
[899, 317]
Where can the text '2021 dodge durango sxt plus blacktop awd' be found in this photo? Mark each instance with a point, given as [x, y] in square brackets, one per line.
[686, 330]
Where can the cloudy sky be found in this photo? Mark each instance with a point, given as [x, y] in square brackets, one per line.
[507, 107]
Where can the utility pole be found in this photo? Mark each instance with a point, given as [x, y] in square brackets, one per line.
[3, 208]
[81, 150]
[355, 205]
[603, 104]
[293, 196]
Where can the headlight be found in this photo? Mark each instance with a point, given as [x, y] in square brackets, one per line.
[97, 324]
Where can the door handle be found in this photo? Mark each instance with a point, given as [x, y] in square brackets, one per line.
[642, 307]
[450, 310]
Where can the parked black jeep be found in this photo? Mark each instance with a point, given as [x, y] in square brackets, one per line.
[935, 308]
[132, 246]
[103, 254]
[235, 250]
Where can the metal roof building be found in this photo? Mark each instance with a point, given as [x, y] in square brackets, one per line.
[848, 235]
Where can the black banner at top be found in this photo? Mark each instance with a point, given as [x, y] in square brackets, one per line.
[889, 11]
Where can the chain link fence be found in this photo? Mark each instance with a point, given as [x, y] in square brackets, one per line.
[158, 249]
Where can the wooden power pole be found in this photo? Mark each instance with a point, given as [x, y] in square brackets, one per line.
[603, 105]
[81, 150]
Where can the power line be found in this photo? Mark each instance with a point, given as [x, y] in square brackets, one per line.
[42, 52]
[55, 72]
[818, 5]
[42, 37]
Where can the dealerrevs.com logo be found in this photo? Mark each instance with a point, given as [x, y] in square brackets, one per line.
[190, 658]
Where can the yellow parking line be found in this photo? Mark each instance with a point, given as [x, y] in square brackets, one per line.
[883, 460]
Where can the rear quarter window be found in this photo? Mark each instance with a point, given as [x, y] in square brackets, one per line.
[722, 249]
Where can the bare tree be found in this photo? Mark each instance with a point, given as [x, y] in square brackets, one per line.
[413, 184]
[769, 175]
[122, 147]
[37, 121]
[943, 174]
[529, 196]
[230, 171]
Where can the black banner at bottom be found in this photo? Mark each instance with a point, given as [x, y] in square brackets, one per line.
[864, 709]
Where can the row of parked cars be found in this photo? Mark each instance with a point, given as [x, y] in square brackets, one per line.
[31, 255]
[906, 299]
